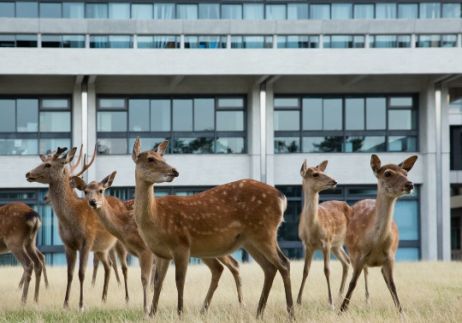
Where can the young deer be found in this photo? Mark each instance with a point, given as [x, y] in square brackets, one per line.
[79, 226]
[372, 235]
[322, 226]
[19, 225]
[210, 224]
[118, 218]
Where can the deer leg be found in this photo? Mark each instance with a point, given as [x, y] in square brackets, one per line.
[181, 259]
[387, 272]
[146, 262]
[216, 268]
[113, 263]
[38, 267]
[71, 257]
[22, 256]
[153, 276]
[122, 254]
[354, 280]
[345, 261]
[161, 271]
[366, 284]
[233, 267]
[107, 273]
[43, 260]
[95, 269]
[21, 282]
[306, 270]
[326, 255]
[83, 259]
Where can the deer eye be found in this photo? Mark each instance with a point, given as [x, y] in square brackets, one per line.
[151, 160]
[387, 174]
[315, 175]
[101, 191]
[47, 165]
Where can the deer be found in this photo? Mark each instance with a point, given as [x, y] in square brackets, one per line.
[79, 227]
[19, 225]
[372, 235]
[117, 216]
[322, 226]
[213, 223]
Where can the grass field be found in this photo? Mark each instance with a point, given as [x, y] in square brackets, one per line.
[429, 292]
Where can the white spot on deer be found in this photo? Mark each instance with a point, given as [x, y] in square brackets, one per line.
[253, 198]
[241, 184]
[259, 202]
[263, 195]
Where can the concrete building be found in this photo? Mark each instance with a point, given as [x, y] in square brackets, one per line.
[241, 90]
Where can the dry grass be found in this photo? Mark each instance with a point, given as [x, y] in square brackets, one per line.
[430, 292]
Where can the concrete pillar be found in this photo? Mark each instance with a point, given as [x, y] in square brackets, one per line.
[269, 134]
[77, 114]
[253, 131]
[445, 177]
[91, 127]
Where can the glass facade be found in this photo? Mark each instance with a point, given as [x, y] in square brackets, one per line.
[205, 42]
[297, 41]
[344, 41]
[436, 41]
[204, 125]
[321, 124]
[32, 125]
[390, 41]
[407, 217]
[158, 41]
[251, 42]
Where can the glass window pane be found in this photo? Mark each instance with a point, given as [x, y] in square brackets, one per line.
[231, 11]
[182, 115]
[142, 11]
[73, 41]
[275, 11]
[50, 10]
[401, 102]
[404, 41]
[451, 10]
[319, 11]
[160, 115]
[227, 145]
[327, 144]
[205, 42]
[201, 145]
[18, 147]
[96, 10]
[27, 114]
[164, 11]
[49, 145]
[407, 254]
[384, 41]
[402, 143]
[52, 41]
[312, 114]
[430, 10]
[284, 145]
[209, 11]
[286, 120]
[119, 10]
[375, 113]
[7, 41]
[400, 119]
[7, 115]
[120, 41]
[231, 103]
[449, 41]
[332, 118]
[385, 10]
[230, 120]
[204, 118]
[55, 121]
[408, 10]
[55, 103]
[112, 146]
[254, 11]
[297, 11]
[26, 41]
[255, 41]
[138, 115]
[354, 114]
[364, 11]
[286, 102]
[26, 9]
[342, 11]
[158, 42]
[73, 10]
[99, 41]
[186, 11]
[112, 121]
[7, 9]
[111, 103]
[365, 144]
[407, 219]
[147, 143]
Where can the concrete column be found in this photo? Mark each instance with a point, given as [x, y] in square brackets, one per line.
[269, 134]
[253, 131]
[91, 127]
[77, 113]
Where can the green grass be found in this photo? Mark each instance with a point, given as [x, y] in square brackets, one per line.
[429, 292]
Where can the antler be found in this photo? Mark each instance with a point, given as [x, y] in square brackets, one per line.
[59, 152]
[85, 165]
[73, 167]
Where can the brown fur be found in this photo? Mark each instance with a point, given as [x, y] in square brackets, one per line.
[213, 223]
[372, 237]
[19, 225]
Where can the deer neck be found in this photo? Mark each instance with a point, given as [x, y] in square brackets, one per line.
[310, 204]
[63, 198]
[384, 209]
[107, 217]
[145, 202]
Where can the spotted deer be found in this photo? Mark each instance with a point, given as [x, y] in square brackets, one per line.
[210, 224]
[118, 218]
[322, 226]
[19, 225]
[79, 227]
[372, 236]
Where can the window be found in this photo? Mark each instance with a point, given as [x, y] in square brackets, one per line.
[26, 9]
[18, 40]
[342, 11]
[112, 41]
[345, 123]
[254, 11]
[50, 10]
[193, 125]
[63, 41]
[390, 41]
[187, 11]
[408, 11]
[31, 125]
[231, 11]
[119, 10]
[73, 10]
[276, 11]
[164, 11]
[96, 10]
[142, 11]
[320, 11]
[7, 9]
[251, 42]
[297, 11]
[158, 41]
[456, 147]
[430, 10]
[209, 11]
[451, 10]
[344, 41]
[364, 11]
[406, 216]
[385, 10]
[205, 41]
[298, 41]
[436, 41]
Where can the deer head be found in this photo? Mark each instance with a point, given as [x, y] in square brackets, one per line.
[151, 166]
[94, 191]
[392, 179]
[52, 166]
[315, 178]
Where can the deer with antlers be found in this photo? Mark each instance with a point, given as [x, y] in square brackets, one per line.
[322, 226]
[19, 225]
[372, 236]
[210, 224]
[79, 227]
[118, 218]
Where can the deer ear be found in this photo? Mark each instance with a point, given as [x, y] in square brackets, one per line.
[78, 183]
[136, 149]
[107, 181]
[43, 157]
[303, 168]
[162, 148]
[322, 167]
[70, 155]
[408, 163]
[375, 163]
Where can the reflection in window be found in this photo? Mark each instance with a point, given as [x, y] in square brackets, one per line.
[344, 41]
[365, 144]
[26, 40]
[354, 114]
[251, 42]
[205, 42]
[112, 41]
[201, 145]
[436, 41]
[390, 41]
[297, 41]
[229, 145]
[286, 145]
[402, 143]
[63, 41]
[328, 144]
[111, 146]
[287, 120]
[158, 42]
[376, 113]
